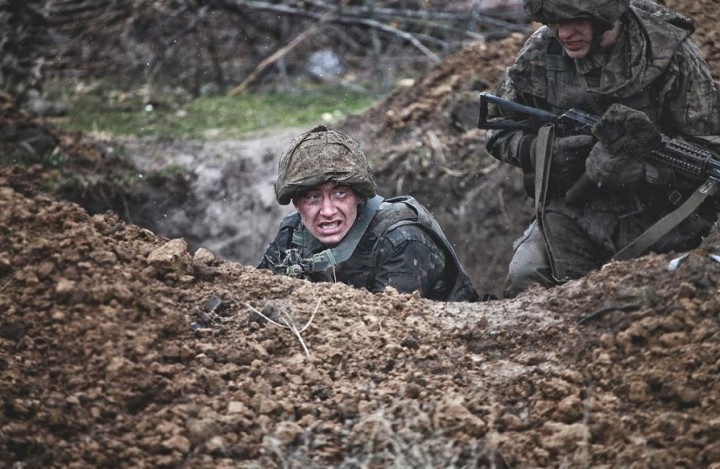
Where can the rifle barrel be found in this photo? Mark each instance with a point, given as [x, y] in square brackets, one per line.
[517, 107]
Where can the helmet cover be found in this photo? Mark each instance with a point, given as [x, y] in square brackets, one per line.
[322, 155]
[552, 11]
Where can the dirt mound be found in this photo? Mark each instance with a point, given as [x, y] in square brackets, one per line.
[121, 348]
[706, 15]
[71, 165]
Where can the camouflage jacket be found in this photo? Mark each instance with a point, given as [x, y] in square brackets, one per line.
[654, 66]
[402, 248]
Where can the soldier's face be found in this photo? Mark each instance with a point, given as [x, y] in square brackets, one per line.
[328, 211]
[574, 35]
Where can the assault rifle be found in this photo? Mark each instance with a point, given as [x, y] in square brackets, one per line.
[691, 160]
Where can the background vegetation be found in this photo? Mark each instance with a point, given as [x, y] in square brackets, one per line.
[103, 108]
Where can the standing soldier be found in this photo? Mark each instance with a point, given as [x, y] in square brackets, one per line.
[344, 232]
[634, 64]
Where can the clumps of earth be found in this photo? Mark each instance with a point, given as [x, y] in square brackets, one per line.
[120, 347]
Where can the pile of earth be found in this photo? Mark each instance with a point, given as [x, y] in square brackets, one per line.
[122, 348]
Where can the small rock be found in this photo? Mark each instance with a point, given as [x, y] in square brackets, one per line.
[237, 407]
[177, 443]
[171, 257]
[288, 432]
[64, 286]
[204, 256]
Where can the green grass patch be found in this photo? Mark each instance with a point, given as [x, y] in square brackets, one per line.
[175, 115]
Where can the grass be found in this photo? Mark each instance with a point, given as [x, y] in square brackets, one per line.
[100, 108]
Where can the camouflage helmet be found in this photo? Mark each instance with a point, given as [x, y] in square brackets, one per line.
[319, 156]
[551, 11]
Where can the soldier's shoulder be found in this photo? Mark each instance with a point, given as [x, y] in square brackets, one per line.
[410, 234]
[536, 45]
[290, 220]
[397, 221]
[533, 54]
[663, 14]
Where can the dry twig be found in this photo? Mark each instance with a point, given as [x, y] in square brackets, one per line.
[289, 323]
[317, 307]
[276, 56]
[607, 309]
[351, 20]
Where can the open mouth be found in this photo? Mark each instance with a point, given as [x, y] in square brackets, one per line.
[329, 227]
[573, 45]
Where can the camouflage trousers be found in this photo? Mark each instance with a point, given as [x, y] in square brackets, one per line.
[553, 255]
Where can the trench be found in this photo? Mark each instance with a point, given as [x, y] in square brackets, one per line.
[218, 195]
[225, 203]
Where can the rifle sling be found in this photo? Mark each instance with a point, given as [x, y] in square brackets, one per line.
[668, 222]
[543, 160]
[331, 257]
[543, 157]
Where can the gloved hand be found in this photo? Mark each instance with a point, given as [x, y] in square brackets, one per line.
[568, 157]
[625, 138]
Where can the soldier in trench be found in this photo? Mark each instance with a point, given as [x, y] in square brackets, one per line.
[635, 64]
[343, 231]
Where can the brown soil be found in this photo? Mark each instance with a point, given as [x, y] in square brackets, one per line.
[120, 348]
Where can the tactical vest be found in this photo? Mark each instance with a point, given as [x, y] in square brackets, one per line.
[359, 270]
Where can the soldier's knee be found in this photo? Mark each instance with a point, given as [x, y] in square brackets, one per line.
[520, 280]
[530, 265]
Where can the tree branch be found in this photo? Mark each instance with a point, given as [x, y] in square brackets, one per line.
[288, 10]
[276, 56]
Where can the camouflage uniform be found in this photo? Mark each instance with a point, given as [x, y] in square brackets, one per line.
[654, 67]
[402, 247]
